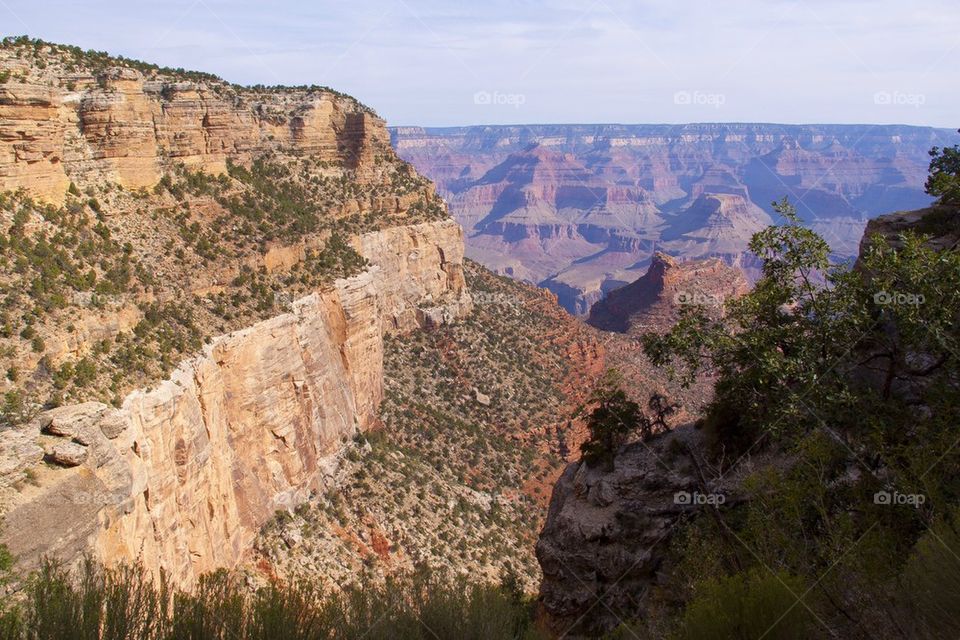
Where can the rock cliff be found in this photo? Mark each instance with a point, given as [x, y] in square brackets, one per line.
[652, 302]
[580, 208]
[123, 127]
[212, 271]
[182, 476]
[606, 532]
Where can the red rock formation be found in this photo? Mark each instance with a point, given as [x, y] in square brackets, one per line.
[653, 302]
[620, 191]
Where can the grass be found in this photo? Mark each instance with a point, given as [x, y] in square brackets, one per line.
[93, 603]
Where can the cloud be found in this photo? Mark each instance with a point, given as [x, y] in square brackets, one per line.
[422, 62]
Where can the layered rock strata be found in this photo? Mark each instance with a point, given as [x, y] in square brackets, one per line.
[125, 128]
[653, 302]
[182, 476]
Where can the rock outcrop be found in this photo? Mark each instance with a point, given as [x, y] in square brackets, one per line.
[182, 476]
[653, 302]
[125, 128]
[607, 532]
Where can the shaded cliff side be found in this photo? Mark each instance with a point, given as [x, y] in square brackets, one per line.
[635, 545]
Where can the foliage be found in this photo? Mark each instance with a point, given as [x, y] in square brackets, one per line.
[758, 604]
[793, 337]
[846, 381]
[944, 179]
[613, 420]
[127, 604]
[932, 579]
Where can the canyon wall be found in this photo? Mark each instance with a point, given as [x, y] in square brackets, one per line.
[581, 209]
[182, 476]
[124, 128]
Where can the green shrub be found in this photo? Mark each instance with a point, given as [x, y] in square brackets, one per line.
[758, 604]
[932, 579]
[944, 179]
[126, 604]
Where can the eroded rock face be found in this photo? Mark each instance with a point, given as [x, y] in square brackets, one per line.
[124, 128]
[580, 208]
[653, 302]
[607, 532]
[182, 475]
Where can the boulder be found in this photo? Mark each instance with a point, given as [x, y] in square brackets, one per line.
[67, 454]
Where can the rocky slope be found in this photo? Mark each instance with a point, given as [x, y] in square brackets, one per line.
[580, 209]
[652, 303]
[612, 537]
[477, 422]
[479, 419]
[197, 283]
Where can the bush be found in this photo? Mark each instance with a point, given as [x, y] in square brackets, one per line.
[126, 604]
[758, 604]
[944, 179]
[932, 580]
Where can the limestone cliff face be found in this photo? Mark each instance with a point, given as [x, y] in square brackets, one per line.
[182, 476]
[124, 128]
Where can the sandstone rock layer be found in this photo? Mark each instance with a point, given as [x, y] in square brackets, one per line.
[125, 128]
[182, 476]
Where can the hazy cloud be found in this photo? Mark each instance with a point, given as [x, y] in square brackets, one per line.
[435, 63]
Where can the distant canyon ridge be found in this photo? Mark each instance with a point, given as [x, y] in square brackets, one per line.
[581, 209]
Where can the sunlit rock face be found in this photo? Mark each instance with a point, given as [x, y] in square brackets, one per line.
[182, 476]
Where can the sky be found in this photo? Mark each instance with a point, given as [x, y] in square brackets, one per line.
[433, 63]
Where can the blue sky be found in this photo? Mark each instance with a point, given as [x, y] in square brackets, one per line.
[498, 61]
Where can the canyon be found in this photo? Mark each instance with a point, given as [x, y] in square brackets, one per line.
[179, 466]
[181, 477]
[581, 209]
[240, 331]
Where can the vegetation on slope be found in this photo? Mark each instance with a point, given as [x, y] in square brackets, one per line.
[851, 388]
[477, 418]
[179, 264]
[125, 604]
